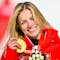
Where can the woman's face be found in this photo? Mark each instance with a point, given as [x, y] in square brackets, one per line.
[28, 25]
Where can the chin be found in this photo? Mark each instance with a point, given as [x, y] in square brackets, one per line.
[33, 36]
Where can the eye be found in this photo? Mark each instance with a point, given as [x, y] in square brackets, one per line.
[32, 18]
[23, 22]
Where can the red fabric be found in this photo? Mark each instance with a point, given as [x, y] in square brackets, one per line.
[51, 44]
[11, 55]
[48, 43]
[49, 38]
[28, 43]
[54, 52]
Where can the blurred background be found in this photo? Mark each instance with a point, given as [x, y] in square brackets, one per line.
[49, 8]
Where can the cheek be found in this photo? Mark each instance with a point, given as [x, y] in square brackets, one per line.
[39, 28]
[24, 28]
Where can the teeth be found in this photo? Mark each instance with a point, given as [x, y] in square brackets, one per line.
[32, 29]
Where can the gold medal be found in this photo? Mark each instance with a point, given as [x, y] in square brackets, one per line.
[23, 46]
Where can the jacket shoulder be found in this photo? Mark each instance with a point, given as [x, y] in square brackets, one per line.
[50, 30]
[52, 33]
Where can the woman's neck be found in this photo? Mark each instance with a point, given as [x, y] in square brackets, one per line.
[38, 36]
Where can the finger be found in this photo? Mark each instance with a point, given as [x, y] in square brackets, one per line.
[15, 44]
[11, 43]
[14, 48]
[18, 45]
[12, 39]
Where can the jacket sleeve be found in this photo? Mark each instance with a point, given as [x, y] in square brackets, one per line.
[50, 38]
[10, 55]
[52, 44]
[54, 36]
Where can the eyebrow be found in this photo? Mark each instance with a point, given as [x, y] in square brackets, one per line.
[29, 18]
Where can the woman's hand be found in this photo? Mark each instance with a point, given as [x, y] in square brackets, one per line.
[13, 44]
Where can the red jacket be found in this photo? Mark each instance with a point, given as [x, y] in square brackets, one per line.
[49, 44]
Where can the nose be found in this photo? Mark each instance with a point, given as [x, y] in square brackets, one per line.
[30, 24]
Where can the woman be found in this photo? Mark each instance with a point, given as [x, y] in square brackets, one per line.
[29, 24]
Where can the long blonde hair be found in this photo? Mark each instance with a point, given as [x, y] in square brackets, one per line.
[14, 29]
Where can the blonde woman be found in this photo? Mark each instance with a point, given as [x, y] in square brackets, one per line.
[28, 24]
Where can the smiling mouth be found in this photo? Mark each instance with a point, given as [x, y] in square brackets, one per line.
[32, 30]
